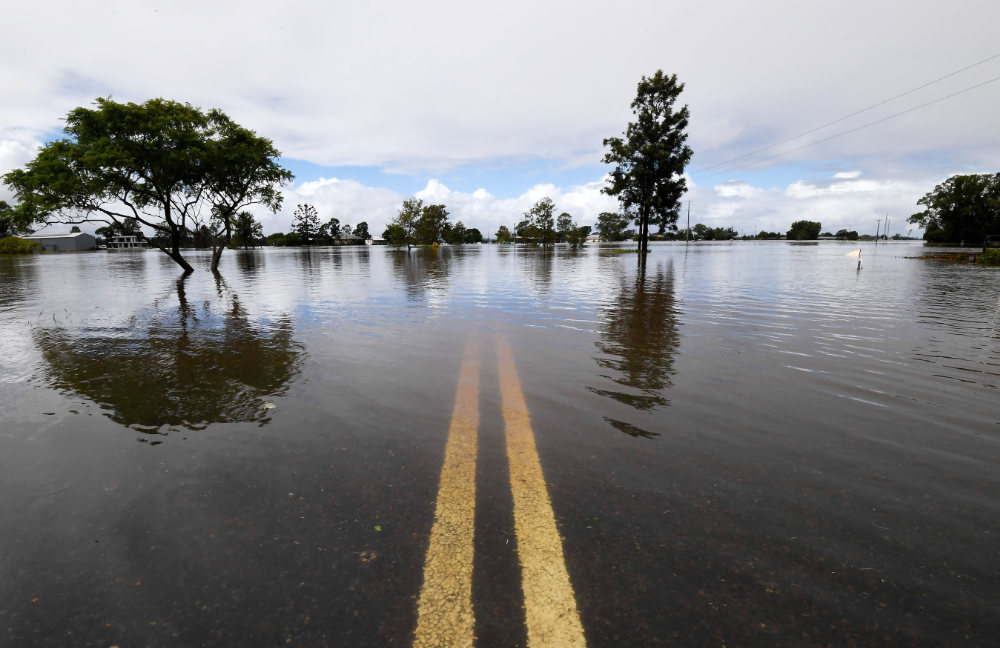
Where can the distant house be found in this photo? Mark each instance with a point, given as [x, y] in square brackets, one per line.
[593, 238]
[126, 243]
[64, 242]
[375, 240]
[347, 238]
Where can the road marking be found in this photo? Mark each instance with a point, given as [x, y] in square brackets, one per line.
[444, 613]
[549, 603]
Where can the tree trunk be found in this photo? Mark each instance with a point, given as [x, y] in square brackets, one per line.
[178, 259]
[217, 256]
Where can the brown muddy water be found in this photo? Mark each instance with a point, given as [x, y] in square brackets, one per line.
[742, 444]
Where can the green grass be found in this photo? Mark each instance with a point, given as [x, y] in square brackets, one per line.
[990, 257]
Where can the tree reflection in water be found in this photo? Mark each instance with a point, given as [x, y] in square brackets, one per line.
[639, 339]
[422, 270]
[187, 366]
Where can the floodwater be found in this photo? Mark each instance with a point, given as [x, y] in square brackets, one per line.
[742, 444]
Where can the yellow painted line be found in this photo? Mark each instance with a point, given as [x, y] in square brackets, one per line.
[444, 613]
[549, 602]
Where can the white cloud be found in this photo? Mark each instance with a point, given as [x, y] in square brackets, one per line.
[436, 85]
[854, 205]
[13, 155]
[351, 202]
[847, 175]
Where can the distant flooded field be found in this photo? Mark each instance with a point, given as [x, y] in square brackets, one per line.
[742, 444]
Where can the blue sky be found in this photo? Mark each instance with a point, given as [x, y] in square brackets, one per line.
[488, 108]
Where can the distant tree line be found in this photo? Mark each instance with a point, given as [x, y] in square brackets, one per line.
[539, 227]
[420, 224]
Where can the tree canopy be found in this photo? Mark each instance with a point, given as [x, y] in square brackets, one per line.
[649, 160]
[611, 226]
[305, 221]
[804, 230]
[963, 208]
[163, 163]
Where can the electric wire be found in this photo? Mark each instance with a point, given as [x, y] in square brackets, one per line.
[854, 130]
[846, 117]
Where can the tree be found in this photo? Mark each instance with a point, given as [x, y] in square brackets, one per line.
[804, 230]
[247, 231]
[473, 235]
[305, 221]
[329, 232]
[963, 208]
[504, 235]
[526, 231]
[160, 163]
[541, 219]
[649, 160]
[361, 229]
[611, 226]
[395, 235]
[405, 223]
[432, 223]
[564, 225]
[243, 170]
[9, 225]
[455, 234]
[844, 235]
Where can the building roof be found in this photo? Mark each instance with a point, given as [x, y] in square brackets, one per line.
[54, 235]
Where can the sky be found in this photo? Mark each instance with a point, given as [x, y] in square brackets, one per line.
[488, 107]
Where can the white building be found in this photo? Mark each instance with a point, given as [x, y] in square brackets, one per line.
[126, 243]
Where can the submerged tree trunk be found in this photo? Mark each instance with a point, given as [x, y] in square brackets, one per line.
[218, 246]
[217, 255]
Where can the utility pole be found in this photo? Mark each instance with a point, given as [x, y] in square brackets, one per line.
[878, 223]
[687, 232]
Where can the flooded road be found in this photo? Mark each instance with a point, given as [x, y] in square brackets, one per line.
[738, 444]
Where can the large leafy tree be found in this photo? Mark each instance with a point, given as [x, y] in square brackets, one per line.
[804, 230]
[433, 224]
[649, 159]
[402, 229]
[962, 208]
[162, 163]
[611, 226]
[541, 218]
[243, 171]
[10, 222]
[504, 235]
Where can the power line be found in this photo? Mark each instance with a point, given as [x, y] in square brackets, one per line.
[853, 114]
[854, 130]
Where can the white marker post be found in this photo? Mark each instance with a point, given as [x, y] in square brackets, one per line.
[856, 253]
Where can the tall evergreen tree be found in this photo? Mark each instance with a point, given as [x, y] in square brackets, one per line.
[649, 160]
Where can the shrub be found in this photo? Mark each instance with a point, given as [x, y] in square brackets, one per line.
[15, 245]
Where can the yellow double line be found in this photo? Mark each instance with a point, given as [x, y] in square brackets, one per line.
[445, 614]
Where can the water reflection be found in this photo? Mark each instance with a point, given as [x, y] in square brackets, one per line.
[17, 279]
[639, 339]
[250, 262]
[187, 365]
[538, 264]
[422, 270]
